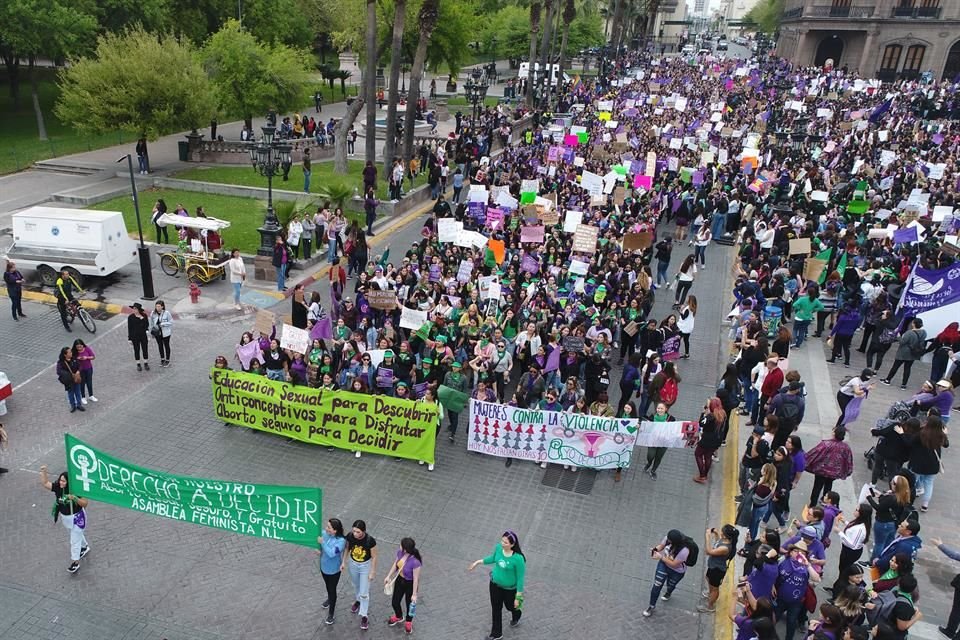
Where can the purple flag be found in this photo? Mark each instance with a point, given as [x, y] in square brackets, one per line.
[905, 235]
[322, 329]
[928, 290]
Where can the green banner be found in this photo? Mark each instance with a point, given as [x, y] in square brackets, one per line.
[288, 514]
[354, 421]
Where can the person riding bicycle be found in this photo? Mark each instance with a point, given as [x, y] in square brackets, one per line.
[66, 286]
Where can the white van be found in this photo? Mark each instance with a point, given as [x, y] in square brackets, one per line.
[85, 243]
[554, 71]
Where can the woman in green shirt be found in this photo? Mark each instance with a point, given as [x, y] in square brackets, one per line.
[506, 581]
[803, 308]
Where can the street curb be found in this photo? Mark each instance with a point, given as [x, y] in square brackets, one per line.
[93, 305]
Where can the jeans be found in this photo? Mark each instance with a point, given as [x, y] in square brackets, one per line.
[750, 399]
[360, 577]
[700, 255]
[500, 598]
[142, 162]
[331, 251]
[800, 331]
[236, 292]
[275, 374]
[662, 271]
[86, 384]
[74, 395]
[790, 611]
[704, 458]
[15, 303]
[77, 540]
[664, 575]
[282, 277]
[925, 487]
[718, 225]
[306, 181]
[759, 513]
[883, 533]
[330, 582]
[777, 511]
[402, 590]
[907, 365]
[456, 194]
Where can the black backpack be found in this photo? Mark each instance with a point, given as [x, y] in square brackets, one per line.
[693, 551]
[789, 410]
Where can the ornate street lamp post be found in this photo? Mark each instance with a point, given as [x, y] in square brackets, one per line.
[268, 156]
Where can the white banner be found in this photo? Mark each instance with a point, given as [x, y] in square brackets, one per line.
[412, 318]
[295, 339]
[551, 436]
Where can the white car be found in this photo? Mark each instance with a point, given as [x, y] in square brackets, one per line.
[687, 49]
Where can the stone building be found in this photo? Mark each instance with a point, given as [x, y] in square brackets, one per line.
[886, 39]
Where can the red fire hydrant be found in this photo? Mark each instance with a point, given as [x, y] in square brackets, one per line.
[194, 293]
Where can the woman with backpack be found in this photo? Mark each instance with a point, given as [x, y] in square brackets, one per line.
[761, 495]
[885, 334]
[665, 386]
[721, 546]
[674, 554]
[913, 344]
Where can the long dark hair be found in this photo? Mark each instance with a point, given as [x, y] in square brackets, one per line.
[409, 546]
[337, 527]
[764, 609]
[515, 541]
[865, 518]
[678, 541]
[730, 533]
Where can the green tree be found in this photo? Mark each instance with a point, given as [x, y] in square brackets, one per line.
[252, 77]
[137, 82]
[766, 14]
[278, 21]
[117, 15]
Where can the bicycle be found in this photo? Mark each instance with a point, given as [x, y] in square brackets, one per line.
[74, 311]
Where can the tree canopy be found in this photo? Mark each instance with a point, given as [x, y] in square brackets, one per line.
[139, 82]
[252, 77]
[767, 15]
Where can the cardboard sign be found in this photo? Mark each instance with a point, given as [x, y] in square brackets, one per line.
[812, 269]
[412, 318]
[637, 241]
[549, 217]
[574, 344]
[585, 239]
[385, 300]
[448, 229]
[571, 220]
[264, 322]
[800, 247]
[619, 195]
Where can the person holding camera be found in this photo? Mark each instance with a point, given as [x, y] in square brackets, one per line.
[671, 555]
[721, 547]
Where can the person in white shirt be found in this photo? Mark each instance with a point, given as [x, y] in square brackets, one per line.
[704, 236]
[853, 534]
[294, 231]
[685, 278]
[765, 235]
[238, 273]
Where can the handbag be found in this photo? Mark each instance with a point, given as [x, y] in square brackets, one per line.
[388, 585]
[155, 331]
[810, 599]
[80, 519]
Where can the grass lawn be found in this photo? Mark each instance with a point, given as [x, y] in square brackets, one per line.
[322, 175]
[18, 127]
[460, 101]
[245, 214]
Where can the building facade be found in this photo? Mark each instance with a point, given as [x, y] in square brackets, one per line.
[671, 24]
[885, 39]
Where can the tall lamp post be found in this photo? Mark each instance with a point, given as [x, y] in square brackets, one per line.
[476, 92]
[146, 273]
[268, 157]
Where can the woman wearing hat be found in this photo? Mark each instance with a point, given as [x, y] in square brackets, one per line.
[138, 324]
[794, 574]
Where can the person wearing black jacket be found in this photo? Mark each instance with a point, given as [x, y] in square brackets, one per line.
[138, 324]
[891, 450]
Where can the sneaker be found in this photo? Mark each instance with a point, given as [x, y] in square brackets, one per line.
[430, 467]
[648, 612]
[80, 408]
[408, 626]
[146, 365]
[946, 633]
[903, 387]
[364, 623]
[706, 609]
[83, 552]
[326, 604]
[139, 367]
[74, 567]
[886, 382]
[653, 475]
[451, 438]
[355, 608]
[94, 399]
[83, 401]
[666, 597]
[421, 462]
[515, 623]
[508, 463]
[356, 454]
[543, 465]
[328, 620]
[393, 621]
[73, 409]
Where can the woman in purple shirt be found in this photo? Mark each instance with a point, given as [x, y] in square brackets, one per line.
[798, 456]
[405, 575]
[762, 608]
[84, 356]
